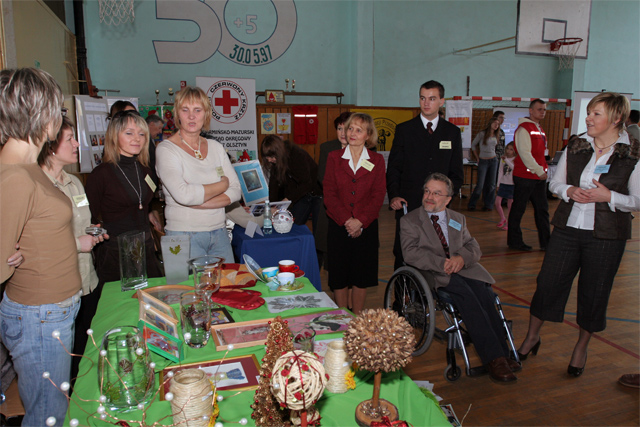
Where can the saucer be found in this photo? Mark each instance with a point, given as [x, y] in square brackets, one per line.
[295, 286]
[299, 273]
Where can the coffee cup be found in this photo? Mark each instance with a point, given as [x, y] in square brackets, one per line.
[288, 266]
[270, 272]
[286, 279]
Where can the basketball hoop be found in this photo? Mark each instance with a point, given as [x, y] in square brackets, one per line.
[116, 12]
[565, 49]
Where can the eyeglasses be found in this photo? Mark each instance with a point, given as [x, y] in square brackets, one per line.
[435, 193]
[64, 111]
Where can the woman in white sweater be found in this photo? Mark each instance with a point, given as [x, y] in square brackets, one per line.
[198, 178]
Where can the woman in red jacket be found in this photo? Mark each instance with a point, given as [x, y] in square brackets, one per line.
[354, 189]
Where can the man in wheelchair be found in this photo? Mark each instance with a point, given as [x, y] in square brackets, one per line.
[437, 239]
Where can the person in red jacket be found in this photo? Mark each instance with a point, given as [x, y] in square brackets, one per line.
[354, 189]
[530, 178]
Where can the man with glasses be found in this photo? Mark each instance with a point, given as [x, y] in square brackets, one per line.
[436, 239]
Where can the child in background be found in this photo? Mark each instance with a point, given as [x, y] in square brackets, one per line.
[505, 183]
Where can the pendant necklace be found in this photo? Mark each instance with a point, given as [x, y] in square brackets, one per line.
[139, 194]
[600, 150]
[197, 152]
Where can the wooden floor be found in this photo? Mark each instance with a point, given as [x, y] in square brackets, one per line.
[543, 395]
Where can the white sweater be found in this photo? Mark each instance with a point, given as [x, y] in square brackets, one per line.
[183, 177]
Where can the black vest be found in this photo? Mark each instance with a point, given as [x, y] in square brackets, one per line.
[607, 225]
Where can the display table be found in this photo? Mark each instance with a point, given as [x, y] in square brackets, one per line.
[297, 245]
[117, 308]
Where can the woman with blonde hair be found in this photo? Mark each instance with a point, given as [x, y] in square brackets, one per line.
[42, 296]
[120, 190]
[198, 178]
[354, 189]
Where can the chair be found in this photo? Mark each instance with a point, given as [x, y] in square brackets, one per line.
[412, 294]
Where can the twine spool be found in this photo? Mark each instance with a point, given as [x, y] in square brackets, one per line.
[193, 398]
[298, 379]
[337, 364]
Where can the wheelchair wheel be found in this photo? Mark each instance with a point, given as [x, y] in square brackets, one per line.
[452, 373]
[409, 295]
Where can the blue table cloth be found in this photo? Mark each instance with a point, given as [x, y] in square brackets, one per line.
[298, 245]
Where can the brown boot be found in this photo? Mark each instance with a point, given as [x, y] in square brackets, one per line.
[500, 371]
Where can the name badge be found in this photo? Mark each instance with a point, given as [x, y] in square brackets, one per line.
[220, 171]
[602, 169]
[445, 145]
[150, 183]
[367, 164]
[81, 200]
[455, 224]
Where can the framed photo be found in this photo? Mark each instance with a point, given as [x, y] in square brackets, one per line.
[234, 373]
[168, 294]
[220, 316]
[258, 208]
[240, 334]
[254, 185]
[274, 96]
[146, 298]
[158, 320]
[160, 342]
[323, 322]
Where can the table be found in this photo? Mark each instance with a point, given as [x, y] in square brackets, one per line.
[117, 308]
[298, 245]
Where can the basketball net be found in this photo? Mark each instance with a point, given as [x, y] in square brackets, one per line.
[566, 50]
[116, 12]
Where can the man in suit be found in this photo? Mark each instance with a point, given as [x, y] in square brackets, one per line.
[435, 238]
[422, 145]
[632, 124]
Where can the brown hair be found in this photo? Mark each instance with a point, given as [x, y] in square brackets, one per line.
[615, 105]
[274, 146]
[119, 123]
[369, 125]
[488, 132]
[193, 95]
[50, 148]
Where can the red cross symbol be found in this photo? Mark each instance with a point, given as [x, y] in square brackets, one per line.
[226, 102]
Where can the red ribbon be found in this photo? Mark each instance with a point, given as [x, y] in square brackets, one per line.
[386, 422]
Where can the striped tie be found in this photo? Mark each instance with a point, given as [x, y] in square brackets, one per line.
[443, 240]
[430, 128]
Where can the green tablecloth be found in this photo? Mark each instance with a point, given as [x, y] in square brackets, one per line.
[118, 308]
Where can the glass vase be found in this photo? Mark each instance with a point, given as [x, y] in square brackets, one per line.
[133, 260]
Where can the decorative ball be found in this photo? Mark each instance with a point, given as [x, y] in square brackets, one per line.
[218, 424]
[187, 336]
[56, 334]
[51, 421]
[65, 386]
[379, 340]
[168, 396]
[243, 421]
[45, 375]
[300, 379]
[89, 332]
[101, 409]
[139, 351]
[140, 406]
[170, 374]
[147, 306]
[152, 365]
[230, 347]
[103, 353]
[103, 416]
[102, 399]
[220, 398]
[73, 422]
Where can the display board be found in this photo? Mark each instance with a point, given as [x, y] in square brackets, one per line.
[512, 116]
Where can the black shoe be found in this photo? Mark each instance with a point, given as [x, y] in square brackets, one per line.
[521, 247]
[533, 350]
[486, 209]
[576, 372]
[471, 208]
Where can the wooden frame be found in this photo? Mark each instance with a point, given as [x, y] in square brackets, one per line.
[158, 320]
[272, 96]
[323, 322]
[246, 369]
[220, 316]
[146, 298]
[168, 294]
[240, 334]
[160, 342]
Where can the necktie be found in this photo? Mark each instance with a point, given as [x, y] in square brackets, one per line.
[440, 233]
[430, 128]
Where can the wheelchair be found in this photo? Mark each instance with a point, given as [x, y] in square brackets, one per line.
[412, 294]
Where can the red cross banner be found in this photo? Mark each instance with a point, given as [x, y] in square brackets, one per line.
[233, 118]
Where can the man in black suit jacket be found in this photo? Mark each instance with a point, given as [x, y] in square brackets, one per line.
[421, 146]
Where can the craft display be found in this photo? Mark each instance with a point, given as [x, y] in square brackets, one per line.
[323, 322]
[266, 410]
[312, 300]
[220, 315]
[303, 339]
[168, 294]
[282, 221]
[240, 334]
[194, 398]
[160, 342]
[147, 299]
[297, 382]
[378, 341]
[337, 365]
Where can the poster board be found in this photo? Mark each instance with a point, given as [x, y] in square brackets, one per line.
[460, 113]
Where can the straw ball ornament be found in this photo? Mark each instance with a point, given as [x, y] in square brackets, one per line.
[379, 340]
[298, 380]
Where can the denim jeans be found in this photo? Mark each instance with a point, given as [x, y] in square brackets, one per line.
[214, 243]
[487, 172]
[26, 332]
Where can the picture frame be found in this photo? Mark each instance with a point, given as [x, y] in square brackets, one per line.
[273, 96]
[168, 294]
[220, 316]
[245, 370]
[160, 342]
[159, 320]
[323, 322]
[258, 208]
[146, 298]
[240, 334]
[252, 182]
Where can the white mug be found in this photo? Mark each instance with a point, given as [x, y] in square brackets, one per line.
[286, 279]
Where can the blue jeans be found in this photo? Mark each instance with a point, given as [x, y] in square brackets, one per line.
[214, 243]
[487, 172]
[26, 332]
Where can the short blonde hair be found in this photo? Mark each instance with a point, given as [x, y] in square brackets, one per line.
[615, 105]
[369, 125]
[119, 123]
[30, 101]
[193, 95]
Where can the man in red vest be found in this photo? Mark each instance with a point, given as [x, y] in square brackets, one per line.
[530, 178]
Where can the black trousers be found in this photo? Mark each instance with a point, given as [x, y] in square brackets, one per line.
[597, 260]
[536, 191]
[476, 303]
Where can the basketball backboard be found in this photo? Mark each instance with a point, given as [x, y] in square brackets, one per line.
[541, 22]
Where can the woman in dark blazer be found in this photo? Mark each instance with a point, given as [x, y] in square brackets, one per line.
[354, 189]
